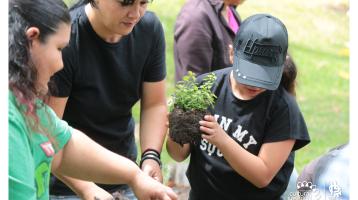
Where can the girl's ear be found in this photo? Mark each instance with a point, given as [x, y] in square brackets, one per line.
[32, 33]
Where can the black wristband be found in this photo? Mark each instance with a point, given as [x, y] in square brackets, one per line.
[150, 156]
[151, 151]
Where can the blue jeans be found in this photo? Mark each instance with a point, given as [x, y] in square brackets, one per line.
[128, 193]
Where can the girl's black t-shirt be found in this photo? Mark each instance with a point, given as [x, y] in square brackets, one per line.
[272, 116]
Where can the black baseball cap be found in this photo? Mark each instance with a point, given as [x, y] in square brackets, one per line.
[260, 50]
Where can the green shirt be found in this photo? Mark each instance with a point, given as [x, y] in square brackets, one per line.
[31, 153]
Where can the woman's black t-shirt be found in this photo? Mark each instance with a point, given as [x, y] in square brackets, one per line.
[104, 80]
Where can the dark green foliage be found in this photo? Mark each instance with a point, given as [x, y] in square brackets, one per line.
[189, 95]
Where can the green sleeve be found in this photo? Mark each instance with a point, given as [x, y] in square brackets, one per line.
[59, 129]
[21, 176]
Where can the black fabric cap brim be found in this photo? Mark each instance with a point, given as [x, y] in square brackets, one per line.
[248, 73]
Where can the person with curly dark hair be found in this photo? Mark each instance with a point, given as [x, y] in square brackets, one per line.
[38, 140]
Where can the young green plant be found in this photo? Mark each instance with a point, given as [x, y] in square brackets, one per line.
[190, 102]
[189, 95]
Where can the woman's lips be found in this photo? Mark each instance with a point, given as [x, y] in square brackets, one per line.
[129, 24]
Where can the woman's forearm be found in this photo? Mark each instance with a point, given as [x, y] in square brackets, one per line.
[84, 159]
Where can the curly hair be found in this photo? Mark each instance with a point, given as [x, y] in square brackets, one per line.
[23, 75]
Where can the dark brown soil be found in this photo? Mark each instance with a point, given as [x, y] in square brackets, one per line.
[184, 126]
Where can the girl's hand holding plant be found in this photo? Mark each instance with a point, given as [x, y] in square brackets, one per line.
[213, 132]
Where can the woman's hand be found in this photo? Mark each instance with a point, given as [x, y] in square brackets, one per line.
[152, 169]
[146, 188]
[95, 192]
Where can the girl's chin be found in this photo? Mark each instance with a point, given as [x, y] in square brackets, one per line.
[252, 92]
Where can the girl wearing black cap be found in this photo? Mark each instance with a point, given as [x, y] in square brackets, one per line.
[248, 143]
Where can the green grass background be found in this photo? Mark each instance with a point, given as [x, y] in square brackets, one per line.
[318, 41]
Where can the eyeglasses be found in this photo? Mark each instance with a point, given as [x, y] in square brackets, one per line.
[131, 2]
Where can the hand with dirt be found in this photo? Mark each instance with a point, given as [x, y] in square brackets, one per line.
[213, 133]
[93, 191]
[98, 198]
[152, 169]
[146, 188]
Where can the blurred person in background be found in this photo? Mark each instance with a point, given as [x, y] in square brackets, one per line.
[204, 30]
[326, 177]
